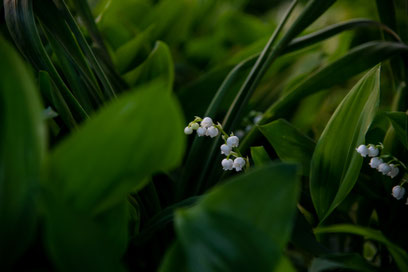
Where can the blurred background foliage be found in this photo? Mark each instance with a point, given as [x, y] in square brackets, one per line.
[118, 79]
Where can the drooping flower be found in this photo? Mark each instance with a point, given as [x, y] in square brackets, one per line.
[239, 163]
[375, 162]
[398, 192]
[212, 132]
[363, 150]
[225, 149]
[233, 141]
[201, 131]
[373, 151]
[384, 168]
[207, 122]
[188, 130]
[195, 126]
[394, 171]
[227, 164]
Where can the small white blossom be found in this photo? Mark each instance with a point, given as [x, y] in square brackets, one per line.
[384, 168]
[406, 203]
[201, 131]
[398, 192]
[394, 171]
[225, 149]
[375, 162]
[212, 132]
[195, 126]
[239, 163]
[233, 141]
[240, 133]
[207, 122]
[188, 130]
[227, 164]
[363, 150]
[257, 119]
[373, 151]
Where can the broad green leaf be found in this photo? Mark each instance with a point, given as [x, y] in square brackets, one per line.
[93, 170]
[356, 61]
[289, 143]
[346, 261]
[335, 164]
[174, 260]
[259, 155]
[118, 148]
[400, 255]
[242, 224]
[399, 121]
[22, 152]
[159, 65]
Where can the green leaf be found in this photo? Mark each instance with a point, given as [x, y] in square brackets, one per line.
[159, 65]
[93, 170]
[335, 164]
[259, 155]
[399, 121]
[22, 152]
[242, 224]
[174, 260]
[400, 255]
[345, 261]
[290, 144]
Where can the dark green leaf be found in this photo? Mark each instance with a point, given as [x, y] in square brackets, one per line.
[289, 143]
[22, 153]
[259, 155]
[352, 262]
[399, 121]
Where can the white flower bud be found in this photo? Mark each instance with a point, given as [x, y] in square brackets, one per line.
[188, 130]
[233, 141]
[394, 171]
[225, 149]
[207, 122]
[201, 131]
[373, 151]
[195, 126]
[384, 168]
[398, 192]
[375, 162]
[257, 119]
[227, 164]
[240, 133]
[212, 131]
[239, 163]
[363, 150]
[406, 203]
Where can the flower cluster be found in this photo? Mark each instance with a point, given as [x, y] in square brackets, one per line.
[376, 161]
[386, 168]
[206, 127]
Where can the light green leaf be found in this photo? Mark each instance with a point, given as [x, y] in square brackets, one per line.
[335, 163]
[22, 152]
[289, 143]
[400, 255]
[94, 169]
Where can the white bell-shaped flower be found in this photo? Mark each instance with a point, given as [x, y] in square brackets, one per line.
[239, 163]
[233, 141]
[398, 192]
[384, 168]
[363, 150]
[201, 131]
[188, 130]
[225, 149]
[375, 162]
[207, 122]
[394, 171]
[212, 132]
[195, 126]
[227, 164]
[373, 151]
